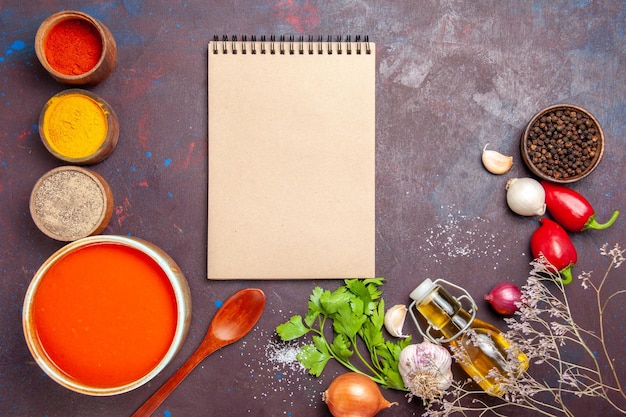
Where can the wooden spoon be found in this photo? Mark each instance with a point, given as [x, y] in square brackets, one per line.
[234, 319]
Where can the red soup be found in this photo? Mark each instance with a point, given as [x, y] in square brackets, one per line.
[105, 314]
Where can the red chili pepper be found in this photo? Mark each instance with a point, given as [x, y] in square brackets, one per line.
[554, 243]
[571, 210]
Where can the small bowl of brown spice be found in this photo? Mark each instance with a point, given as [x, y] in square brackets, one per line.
[562, 143]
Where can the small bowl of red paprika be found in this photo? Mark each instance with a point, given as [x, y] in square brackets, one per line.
[562, 143]
[75, 48]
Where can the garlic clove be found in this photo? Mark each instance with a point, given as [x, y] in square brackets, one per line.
[394, 320]
[495, 162]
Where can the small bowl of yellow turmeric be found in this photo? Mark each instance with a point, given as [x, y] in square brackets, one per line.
[78, 127]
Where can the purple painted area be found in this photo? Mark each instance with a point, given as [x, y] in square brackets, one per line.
[451, 77]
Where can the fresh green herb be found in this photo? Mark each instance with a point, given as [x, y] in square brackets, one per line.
[356, 312]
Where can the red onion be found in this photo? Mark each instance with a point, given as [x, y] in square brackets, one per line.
[503, 298]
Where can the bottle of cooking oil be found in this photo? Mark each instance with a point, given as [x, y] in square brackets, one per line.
[481, 349]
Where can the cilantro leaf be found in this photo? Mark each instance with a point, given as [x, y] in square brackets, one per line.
[346, 322]
[314, 299]
[393, 379]
[372, 286]
[377, 316]
[331, 302]
[376, 282]
[309, 319]
[372, 335]
[357, 306]
[292, 329]
[312, 359]
[358, 288]
[341, 348]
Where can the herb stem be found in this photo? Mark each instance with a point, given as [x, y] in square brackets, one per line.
[377, 376]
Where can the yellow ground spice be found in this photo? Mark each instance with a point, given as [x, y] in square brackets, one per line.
[74, 125]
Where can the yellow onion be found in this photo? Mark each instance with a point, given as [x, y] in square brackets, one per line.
[354, 395]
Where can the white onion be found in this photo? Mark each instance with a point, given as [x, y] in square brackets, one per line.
[526, 196]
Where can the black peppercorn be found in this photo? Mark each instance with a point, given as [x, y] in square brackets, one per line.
[563, 143]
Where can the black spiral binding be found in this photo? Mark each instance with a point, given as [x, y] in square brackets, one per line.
[290, 45]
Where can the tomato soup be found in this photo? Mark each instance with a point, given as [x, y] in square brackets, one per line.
[105, 314]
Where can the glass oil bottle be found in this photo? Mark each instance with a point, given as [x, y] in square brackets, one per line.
[481, 349]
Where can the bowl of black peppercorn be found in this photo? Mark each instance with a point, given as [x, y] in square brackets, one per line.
[562, 143]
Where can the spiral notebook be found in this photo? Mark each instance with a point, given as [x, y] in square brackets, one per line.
[291, 153]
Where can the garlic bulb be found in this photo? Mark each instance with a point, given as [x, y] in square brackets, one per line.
[495, 162]
[425, 369]
[526, 196]
[394, 320]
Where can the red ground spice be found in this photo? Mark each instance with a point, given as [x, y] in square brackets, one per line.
[73, 47]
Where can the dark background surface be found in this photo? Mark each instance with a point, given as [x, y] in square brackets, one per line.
[452, 76]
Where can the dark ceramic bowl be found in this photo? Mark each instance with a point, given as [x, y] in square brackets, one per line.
[562, 143]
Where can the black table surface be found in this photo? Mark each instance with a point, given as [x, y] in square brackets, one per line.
[451, 76]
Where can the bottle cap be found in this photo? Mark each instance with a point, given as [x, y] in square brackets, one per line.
[419, 293]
